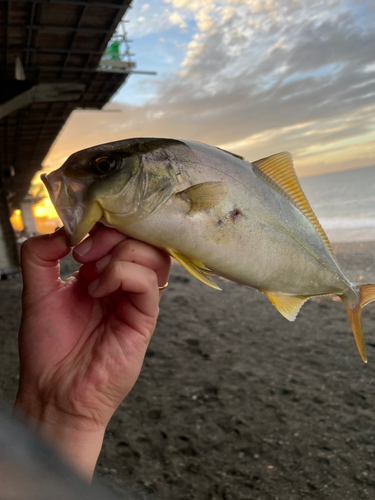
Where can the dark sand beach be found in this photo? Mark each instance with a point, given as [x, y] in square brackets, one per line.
[236, 403]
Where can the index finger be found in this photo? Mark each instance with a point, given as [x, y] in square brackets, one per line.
[97, 245]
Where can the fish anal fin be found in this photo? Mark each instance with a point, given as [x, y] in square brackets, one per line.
[287, 305]
[195, 268]
[204, 196]
[280, 171]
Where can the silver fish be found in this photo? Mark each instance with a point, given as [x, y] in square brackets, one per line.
[214, 212]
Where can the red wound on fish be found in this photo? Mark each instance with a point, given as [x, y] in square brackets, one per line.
[235, 213]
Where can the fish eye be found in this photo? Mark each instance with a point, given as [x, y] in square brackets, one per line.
[104, 164]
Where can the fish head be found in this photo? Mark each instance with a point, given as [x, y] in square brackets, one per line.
[117, 184]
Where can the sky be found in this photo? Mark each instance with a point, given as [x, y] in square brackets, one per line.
[255, 77]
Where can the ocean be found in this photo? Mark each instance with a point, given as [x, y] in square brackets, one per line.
[344, 203]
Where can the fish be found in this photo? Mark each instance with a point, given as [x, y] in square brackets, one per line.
[212, 211]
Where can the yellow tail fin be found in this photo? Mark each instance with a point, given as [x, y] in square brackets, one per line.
[354, 299]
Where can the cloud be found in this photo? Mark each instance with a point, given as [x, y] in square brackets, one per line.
[191, 5]
[176, 18]
[260, 77]
[369, 68]
[153, 17]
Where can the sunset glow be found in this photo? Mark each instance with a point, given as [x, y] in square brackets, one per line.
[255, 78]
[16, 220]
[45, 209]
[45, 216]
[44, 212]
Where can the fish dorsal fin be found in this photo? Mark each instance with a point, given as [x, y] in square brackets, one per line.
[196, 269]
[230, 153]
[279, 169]
[287, 305]
[204, 196]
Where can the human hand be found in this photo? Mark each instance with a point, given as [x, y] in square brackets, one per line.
[82, 342]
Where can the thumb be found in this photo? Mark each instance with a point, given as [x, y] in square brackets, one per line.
[40, 263]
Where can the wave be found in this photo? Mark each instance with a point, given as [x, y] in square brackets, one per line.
[347, 222]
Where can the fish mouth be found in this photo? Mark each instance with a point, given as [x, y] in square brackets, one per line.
[65, 202]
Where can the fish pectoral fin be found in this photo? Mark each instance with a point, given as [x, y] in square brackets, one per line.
[196, 269]
[287, 305]
[203, 196]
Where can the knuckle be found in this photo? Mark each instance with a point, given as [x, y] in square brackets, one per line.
[26, 248]
[108, 233]
[26, 245]
[115, 268]
[127, 249]
[152, 278]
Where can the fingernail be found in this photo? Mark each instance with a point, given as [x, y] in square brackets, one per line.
[93, 286]
[84, 247]
[101, 263]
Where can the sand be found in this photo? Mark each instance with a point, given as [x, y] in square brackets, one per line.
[235, 402]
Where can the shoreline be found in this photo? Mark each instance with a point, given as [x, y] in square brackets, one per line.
[351, 235]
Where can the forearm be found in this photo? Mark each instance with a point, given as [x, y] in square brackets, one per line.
[75, 440]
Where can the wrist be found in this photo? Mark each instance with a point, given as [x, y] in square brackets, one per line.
[76, 439]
